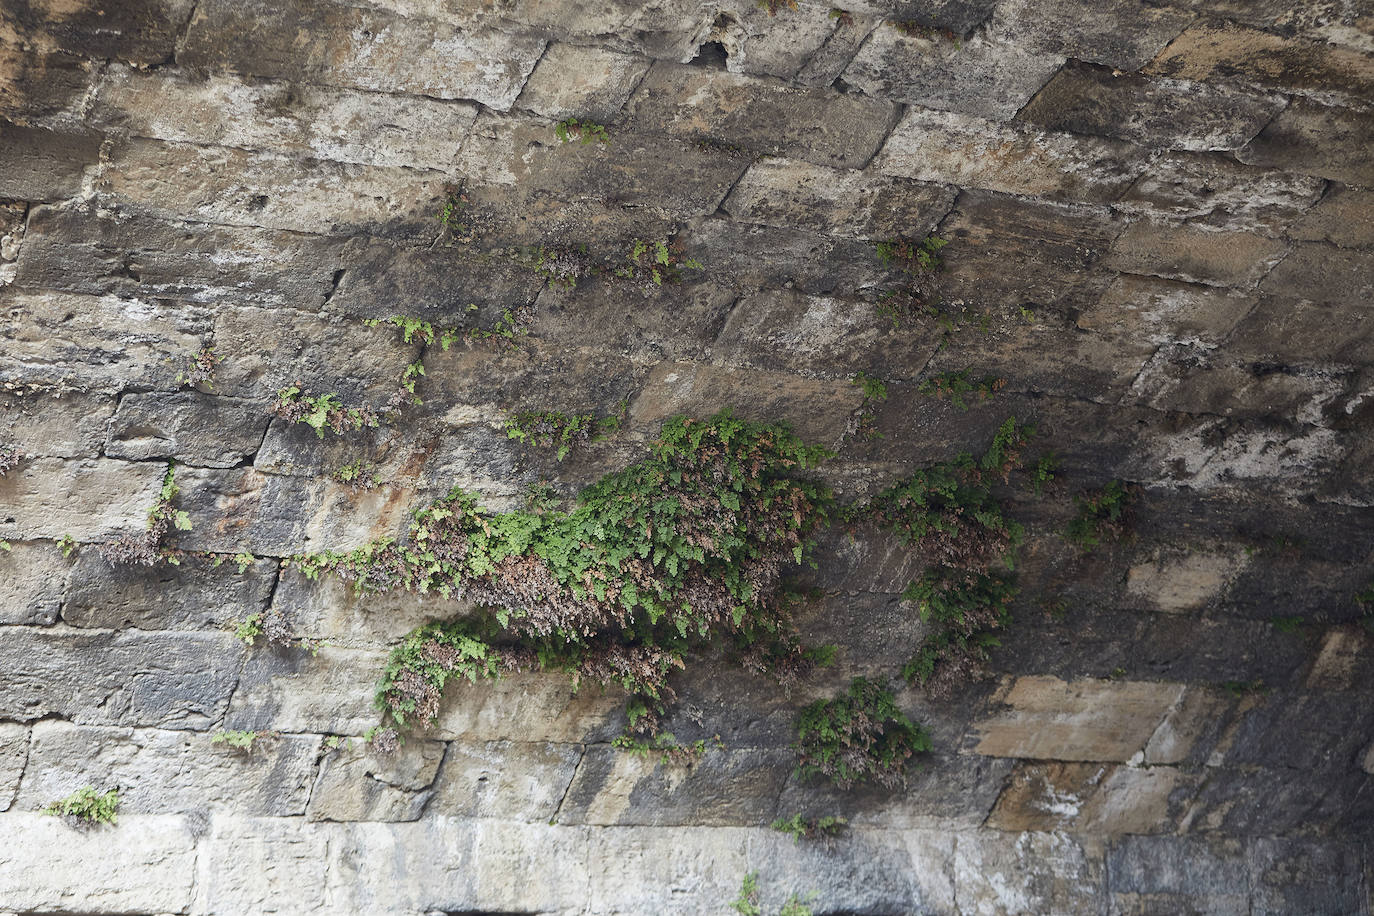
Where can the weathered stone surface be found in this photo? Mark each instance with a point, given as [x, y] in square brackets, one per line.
[1049, 719]
[702, 391]
[289, 118]
[1214, 191]
[42, 164]
[508, 780]
[331, 610]
[1341, 661]
[1319, 272]
[177, 681]
[1168, 874]
[97, 865]
[1304, 330]
[1117, 33]
[1164, 311]
[1294, 875]
[31, 579]
[530, 707]
[164, 772]
[806, 261]
[254, 865]
[847, 203]
[1176, 114]
[292, 690]
[757, 41]
[830, 59]
[1312, 139]
[141, 32]
[218, 184]
[936, 72]
[359, 48]
[1031, 873]
[356, 783]
[1345, 217]
[195, 595]
[14, 751]
[572, 81]
[958, 149]
[1209, 50]
[89, 499]
[13, 216]
[56, 423]
[1176, 581]
[1094, 798]
[1195, 255]
[40, 87]
[193, 427]
[761, 115]
[95, 341]
[1191, 728]
[96, 250]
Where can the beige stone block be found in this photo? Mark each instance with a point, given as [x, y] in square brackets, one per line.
[1176, 582]
[1050, 719]
[1192, 716]
[1179, 252]
[581, 82]
[14, 751]
[1087, 798]
[91, 499]
[359, 783]
[1345, 650]
[511, 780]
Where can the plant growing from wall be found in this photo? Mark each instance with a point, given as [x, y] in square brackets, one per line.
[10, 457]
[560, 431]
[359, 474]
[241, 741]
[861, 423]
[651, 265]
[810, 828]
[843, 18]
[774, 5]
[323, 412]
[199, 369]
[456, 219]
[1103, 515]
[859, 735]
[145, 548]
[87, 806]
[958, 387]
[584, 129]
[561, 265]
[967, 608]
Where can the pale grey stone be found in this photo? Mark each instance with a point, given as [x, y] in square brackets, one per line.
[358, 783]
[508, 780]
[14, 752]
[32, 576]
[191, 427]
[90, 499]
[197, 594]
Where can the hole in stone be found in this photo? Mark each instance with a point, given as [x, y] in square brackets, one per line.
[711, 54]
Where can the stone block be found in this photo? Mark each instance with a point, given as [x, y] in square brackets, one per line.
[249, 865]
[1191, 728]
[140, 32]
[1048, 719]
[1178, 874]
[1178, 581]
[1298, 875]
[572, 81]
[217, 184]
[1279, 328]
[1209, 50]
[1345, 217]
[89, 499]
[292, 690]
[1323, 273]
[1195, 255]
[192, 427]
[44, 164]
[293, 119]
[330, 609]
[1343, 661]
[13, 217]
[985, 76]
[530, 707]
[95, 250]
[321, 42]
[32, 576]
[1092, 798]
[767, 44]
[838, 202]
[1166, 311]
[1214, 191]
[196, 595]
[14, 752]
[169, 772]
[96, 342]
[1318, 731]
[817, 410]
[1117, 33]
[1188, 378]
[508, 780]
[40, 87]
[1313, 139]
[1173, 114]
[167, 680]
[358, 783]
[1030, 873]
[805, 261]
[830, 59]
[97, 865]
[58, 424]
[761, 115]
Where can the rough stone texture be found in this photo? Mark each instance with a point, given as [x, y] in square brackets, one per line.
[1159, 234]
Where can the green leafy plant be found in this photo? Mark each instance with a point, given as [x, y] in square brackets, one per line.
[796, 905]
[843, 18]
[1043, 474]
[804, 828]
[244, 560]
[875, 392]
[1293, 624]
[1245, 688]
[583, 129]
[239, 740]
[666, 745]
[358, 473]
[455, 216]
[561, 265]
[653, 264]
[68, 545]
[967, 608]
[858, 736]
[1103, 515]
[912, 256]
[322, 412]
[957, 386]
[561, 431]
[145, 548]
[199, 369]
[249, 629]
[87, 806]
[747, 903]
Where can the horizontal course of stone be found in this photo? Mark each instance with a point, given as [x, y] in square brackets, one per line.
[1160, 216]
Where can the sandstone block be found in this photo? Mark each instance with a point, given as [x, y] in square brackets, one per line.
[293, 119]
[141, 32]
[806, 261]
[1165, 311]
[830, 59]
[294, 691]
[31, 579]
[1321, 273]
[1305, 330]
[1195, 255]
[985, 77]
[1180, 581]
[167, 680]
[192, 427]
[90, 498]
[56, 424]
[1031, 873]
[40, 87]
[330, 609]
[256, 865]
[97, 865]
[761, 115]
[1345, 217]
[197, 595]
[508, 780]
[764, 44]
[360, 49]
[1214, 191]
[356, 783]
[1117, 33]
[530, 707]
[1312, 139]
[1049, 719]
[849, 204]
[1191, 728]
[1293, 875]
[14, 751]
[1342, 660]
[573, 81]
[1175, 114]
[1160, 874]
[1092, 798]
[169, 772]
[43, 164]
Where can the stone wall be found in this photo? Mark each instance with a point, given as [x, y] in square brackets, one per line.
[1161, 237]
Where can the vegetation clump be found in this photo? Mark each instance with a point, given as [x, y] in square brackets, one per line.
[861, 423]
[958, 386]
[560, 431]
[561, 265]
[967, 608]
[1103, 515]
[145, 548]
[87, 806]
[664, 556]
[456, 217]
[10, 457]
[774, 5]
[199, 369]
[858, 736]
[804, 828]
[323, 412]
[585, 130]
[239, 740]
[649, 266]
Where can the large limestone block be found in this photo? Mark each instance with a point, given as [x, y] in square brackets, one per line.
[62, 424]
[44, 164]
[293, 690]
[97, 342]
[1216, 191]
[32, 577]
[985, 76]
[1299, 875]
[293, 119]
[762, 115]
[41, 87]
[1049, 719]
[1343, 662]
[198, 594]
[90, 499]
[760, 42]
[339, 45]
[1195, 255]
[1177, 582]
[223, 185]
[508, 780]
[169, 772]
[1323, 273]
[809, 262]
[14, 751]
[1117, 33]
[530, 707]
[1165, 311]
[358, 783]
[1002, 873]
[167, 680]
[1192, 727]
[141, 32]
[145, 864]
[1169, 874]
[1092, 798]
[247, 865]
[1345, 217]
[840, 202]
[1323, 333]
[1174, 114]
[1313, 139]
[193, 427]
[572, 81]
[332, 610]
